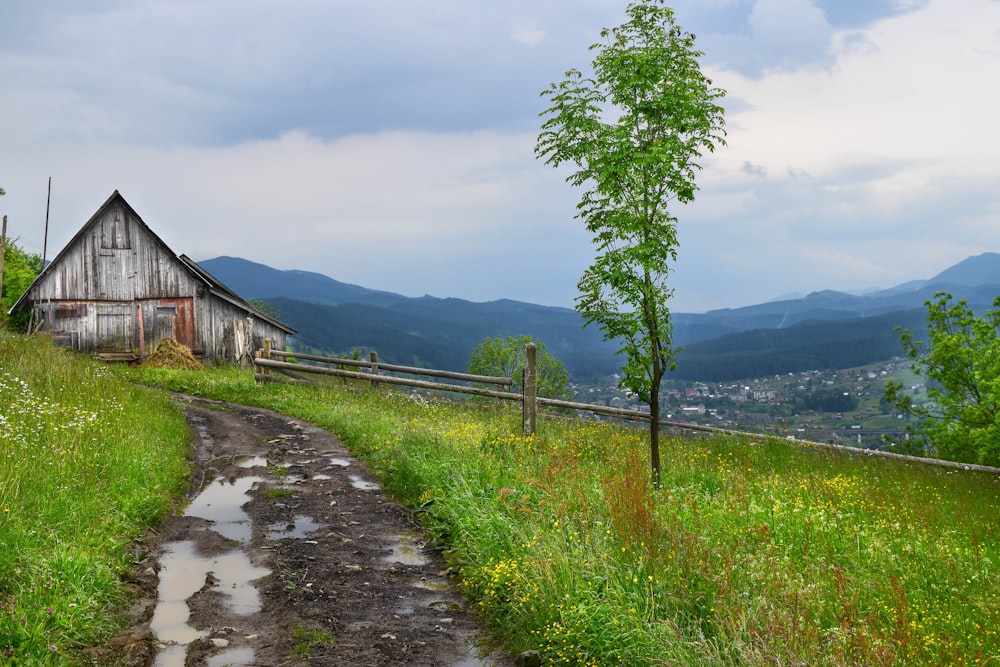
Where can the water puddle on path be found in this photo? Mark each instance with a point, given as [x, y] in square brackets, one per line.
[301, 527]
[406, 553]
[183, 572]
[252, 462]
[362, 485]
[242, 655]
[222, 503]
[342, 463]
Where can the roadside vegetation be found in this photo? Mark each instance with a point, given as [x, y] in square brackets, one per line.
[751, 552]
[88, 461]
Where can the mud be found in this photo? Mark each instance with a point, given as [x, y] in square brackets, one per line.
[289, 553]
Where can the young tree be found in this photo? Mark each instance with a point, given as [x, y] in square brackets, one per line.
[634, 132]
[19, 270]
[960, 361]
[504, 357]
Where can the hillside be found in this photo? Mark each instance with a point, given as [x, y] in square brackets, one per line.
[825, 329]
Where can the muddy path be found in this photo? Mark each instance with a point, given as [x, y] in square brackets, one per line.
[290, 554]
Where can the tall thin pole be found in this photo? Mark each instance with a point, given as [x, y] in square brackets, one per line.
[45, 243]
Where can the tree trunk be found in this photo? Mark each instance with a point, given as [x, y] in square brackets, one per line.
[654, 430]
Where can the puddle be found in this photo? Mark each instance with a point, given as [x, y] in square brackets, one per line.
[234, 657]
[343, 463]
[474, 658]
[286, 531]
[406, 554]
[182, 574]
[432, 584]
[362, 485]
[252, 462]
[221, 502]
[321, 478]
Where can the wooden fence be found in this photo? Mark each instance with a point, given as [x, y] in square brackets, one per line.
[264, 363]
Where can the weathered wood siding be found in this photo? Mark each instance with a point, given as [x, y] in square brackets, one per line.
[115, 260]
[117, 288]
[220, 320]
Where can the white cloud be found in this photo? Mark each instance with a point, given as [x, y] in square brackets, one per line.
[528, 33]
[393, 148]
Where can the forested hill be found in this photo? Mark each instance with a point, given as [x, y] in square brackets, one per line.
[823, 330]
[814, 345]
[443, 333]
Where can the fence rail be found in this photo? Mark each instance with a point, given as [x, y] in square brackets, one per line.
[529, 400]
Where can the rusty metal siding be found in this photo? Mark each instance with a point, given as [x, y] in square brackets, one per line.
[167, 318]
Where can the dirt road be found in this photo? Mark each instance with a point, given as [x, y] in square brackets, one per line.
[290, 554]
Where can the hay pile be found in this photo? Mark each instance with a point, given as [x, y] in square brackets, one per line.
[171, 354]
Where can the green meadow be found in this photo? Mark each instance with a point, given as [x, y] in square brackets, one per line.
[88, 462]
[751, 553]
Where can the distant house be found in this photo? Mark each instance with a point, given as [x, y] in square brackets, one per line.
[116, 288]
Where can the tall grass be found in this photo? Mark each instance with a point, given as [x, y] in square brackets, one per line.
[751, 553]
[87, 462]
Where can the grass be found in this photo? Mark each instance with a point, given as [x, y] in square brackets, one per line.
[308, 638]
[751, 553]
[87, 462]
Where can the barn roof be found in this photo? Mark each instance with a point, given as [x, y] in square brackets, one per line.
[212, 284]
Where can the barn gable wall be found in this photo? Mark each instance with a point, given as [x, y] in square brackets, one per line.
[115, 259]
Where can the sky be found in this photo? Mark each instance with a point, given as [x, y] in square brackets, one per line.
[390, 143]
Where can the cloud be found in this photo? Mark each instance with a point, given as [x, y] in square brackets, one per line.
[528, 33]
[391, 146]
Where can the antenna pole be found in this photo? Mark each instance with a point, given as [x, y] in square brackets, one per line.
[45, 243]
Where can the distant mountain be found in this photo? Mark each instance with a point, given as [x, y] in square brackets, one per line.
[258, 281]
[826, 329]
[981, 269]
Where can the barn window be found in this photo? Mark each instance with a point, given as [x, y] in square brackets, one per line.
[166, 310]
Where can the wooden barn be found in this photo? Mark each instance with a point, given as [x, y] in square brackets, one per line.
[117, 289]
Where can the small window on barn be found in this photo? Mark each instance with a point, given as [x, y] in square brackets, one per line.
[64, 310]
[166, 310]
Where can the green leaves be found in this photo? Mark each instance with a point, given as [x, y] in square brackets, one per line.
[504, 357]
[960, 360]
[634, 133]
[19, 270]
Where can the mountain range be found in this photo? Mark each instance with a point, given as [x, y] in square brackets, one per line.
[822, 330]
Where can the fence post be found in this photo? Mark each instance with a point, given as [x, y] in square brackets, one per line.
[373, 370]
[267, 354]
[528, 406]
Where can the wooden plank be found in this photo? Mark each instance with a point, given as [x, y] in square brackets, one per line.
[430, 372]
[388, 379]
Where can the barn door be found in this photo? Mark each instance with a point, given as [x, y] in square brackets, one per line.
[116, 328]
[172, 318]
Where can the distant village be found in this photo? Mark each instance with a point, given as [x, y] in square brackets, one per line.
[843, 406]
